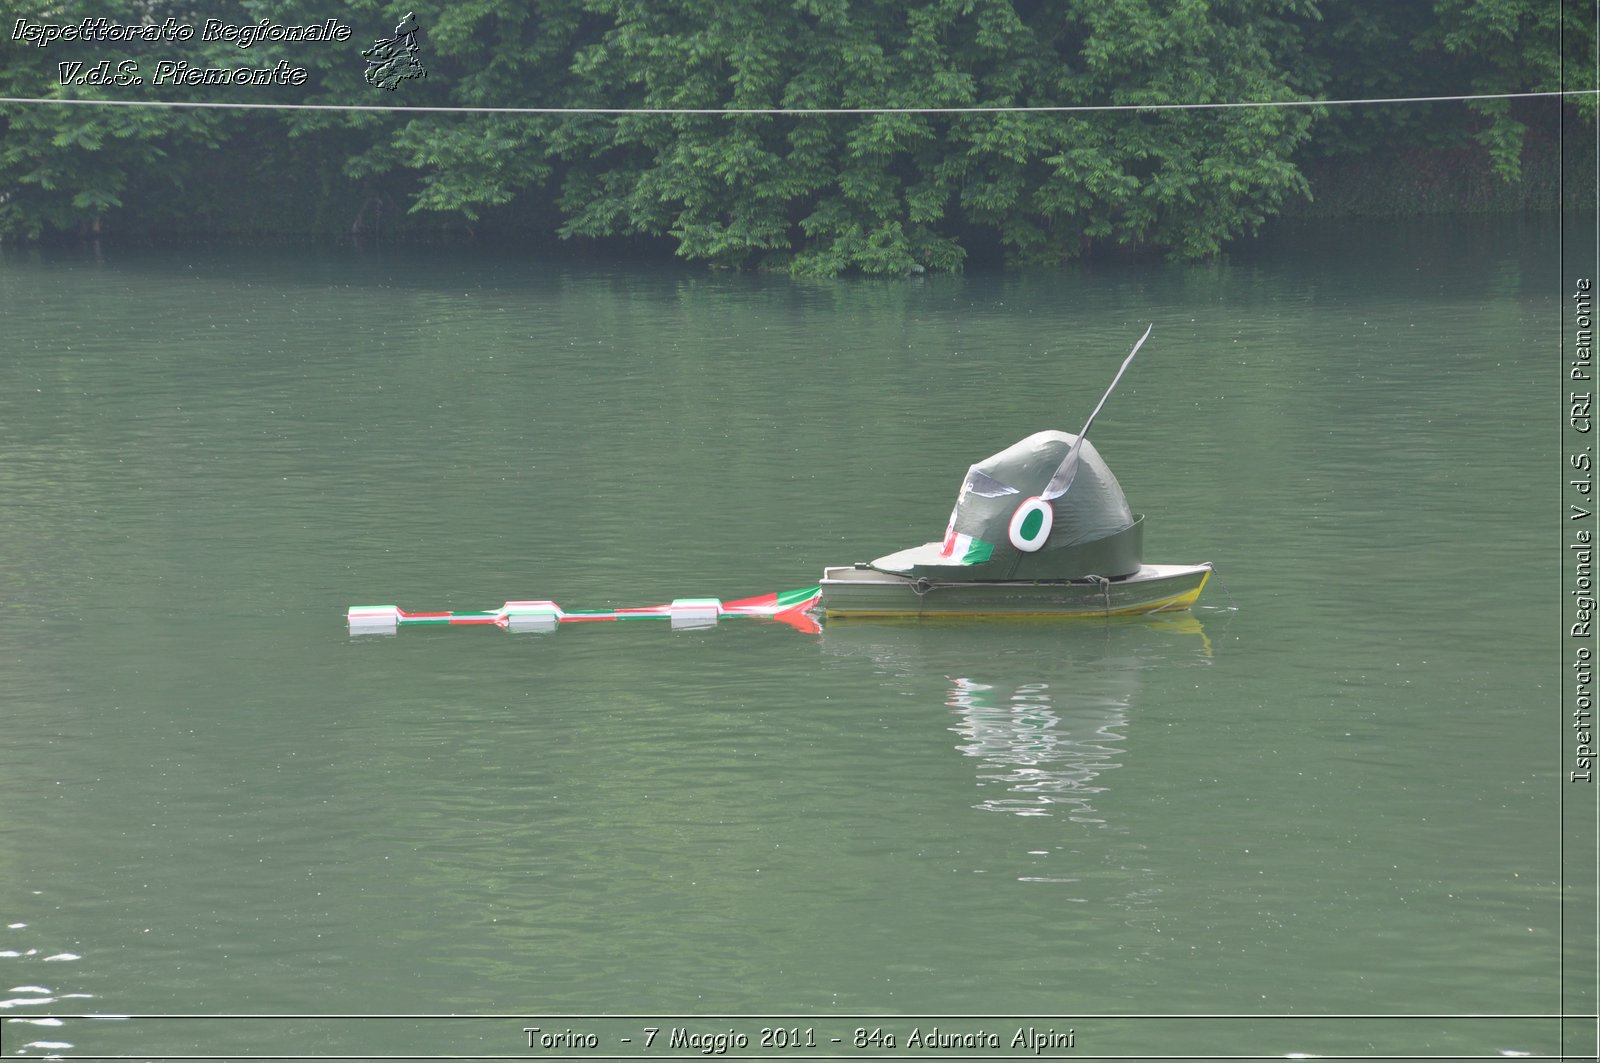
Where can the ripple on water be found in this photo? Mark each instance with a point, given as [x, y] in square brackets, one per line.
[23, 1002]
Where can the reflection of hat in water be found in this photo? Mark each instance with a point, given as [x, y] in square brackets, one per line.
[1002, 529]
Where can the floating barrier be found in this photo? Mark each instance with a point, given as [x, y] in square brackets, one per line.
[786, 607]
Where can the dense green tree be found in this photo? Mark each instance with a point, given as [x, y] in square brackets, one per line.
[1446, 47]
[1513, 46]
[63, 168]
[895, 192]
[814, 193]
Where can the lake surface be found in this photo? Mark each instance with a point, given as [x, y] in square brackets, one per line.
[1334, 788]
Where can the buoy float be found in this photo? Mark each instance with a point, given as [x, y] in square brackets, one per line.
[786, 607]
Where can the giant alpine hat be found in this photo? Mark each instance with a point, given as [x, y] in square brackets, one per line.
[1007, 526]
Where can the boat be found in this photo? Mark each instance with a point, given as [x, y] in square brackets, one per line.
[1041, 528]
[863, 591]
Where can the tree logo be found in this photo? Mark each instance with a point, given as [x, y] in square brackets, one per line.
[394, 59]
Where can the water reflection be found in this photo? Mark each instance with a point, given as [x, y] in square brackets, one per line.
[1044, 709]
[1046, 763]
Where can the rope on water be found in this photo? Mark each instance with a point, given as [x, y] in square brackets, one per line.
[1232, 605]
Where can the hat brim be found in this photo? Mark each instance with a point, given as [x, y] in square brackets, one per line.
[928, 555]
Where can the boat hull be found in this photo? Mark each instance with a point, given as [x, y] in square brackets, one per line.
[867, 592]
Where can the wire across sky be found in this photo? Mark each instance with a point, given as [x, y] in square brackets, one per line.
[1090, 108]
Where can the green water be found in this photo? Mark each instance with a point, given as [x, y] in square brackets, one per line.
[1335, 788]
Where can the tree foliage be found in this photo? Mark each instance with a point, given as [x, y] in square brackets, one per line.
[881, 192]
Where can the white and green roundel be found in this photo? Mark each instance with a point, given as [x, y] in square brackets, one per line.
[1030, 524]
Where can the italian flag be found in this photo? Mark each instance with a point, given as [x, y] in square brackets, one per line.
[964, 548]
